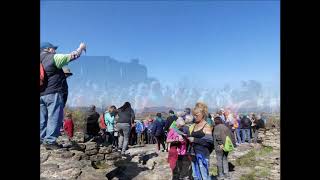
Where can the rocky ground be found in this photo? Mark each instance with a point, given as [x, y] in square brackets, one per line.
[88, 161]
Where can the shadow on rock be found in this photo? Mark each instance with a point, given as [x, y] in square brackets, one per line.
[231, 166]
[125, 170]
[145, 158]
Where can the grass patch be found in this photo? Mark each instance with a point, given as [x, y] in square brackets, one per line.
[255, 174]
[250, 160]
[264, 172]
[247, 160]
[250, 176]
[265, 150]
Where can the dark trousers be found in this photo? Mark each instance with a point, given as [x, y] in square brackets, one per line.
[133, 137]
[110, 137]
[150, 138]
[146, 138]
[183, 168]
[65, 98]
[116, 140]
[160, 140]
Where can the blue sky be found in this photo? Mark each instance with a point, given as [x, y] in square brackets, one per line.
[209, 42]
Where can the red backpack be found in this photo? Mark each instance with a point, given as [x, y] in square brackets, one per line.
[102, 123]
[42, 77]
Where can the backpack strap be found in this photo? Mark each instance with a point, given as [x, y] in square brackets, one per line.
[191, 128]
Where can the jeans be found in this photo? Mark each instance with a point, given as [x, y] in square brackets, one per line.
[238, 136]
[222, 162]
[51, 117]
[245, 135]
[124, 131]
[204, 172]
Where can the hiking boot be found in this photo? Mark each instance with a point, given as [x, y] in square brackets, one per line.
[52, 146]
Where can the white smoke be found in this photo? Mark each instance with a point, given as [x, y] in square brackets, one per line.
[251, 94]
[114, 83]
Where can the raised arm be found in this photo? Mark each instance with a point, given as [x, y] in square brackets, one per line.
[61, 60]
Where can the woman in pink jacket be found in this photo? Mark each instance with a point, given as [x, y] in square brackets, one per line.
[180, 162]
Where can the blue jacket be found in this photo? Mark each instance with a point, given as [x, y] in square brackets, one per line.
[158, 127]
[139, 127]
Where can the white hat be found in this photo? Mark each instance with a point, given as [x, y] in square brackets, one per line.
[189, 119]
[180, 121]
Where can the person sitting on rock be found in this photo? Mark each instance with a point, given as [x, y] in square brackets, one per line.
[179, 161]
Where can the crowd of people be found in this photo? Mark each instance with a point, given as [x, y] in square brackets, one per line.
[189, 137]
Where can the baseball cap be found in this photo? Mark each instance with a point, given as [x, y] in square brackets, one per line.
[45, 45]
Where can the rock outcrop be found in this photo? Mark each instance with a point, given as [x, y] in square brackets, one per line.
[89, 161]
[270, 137]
